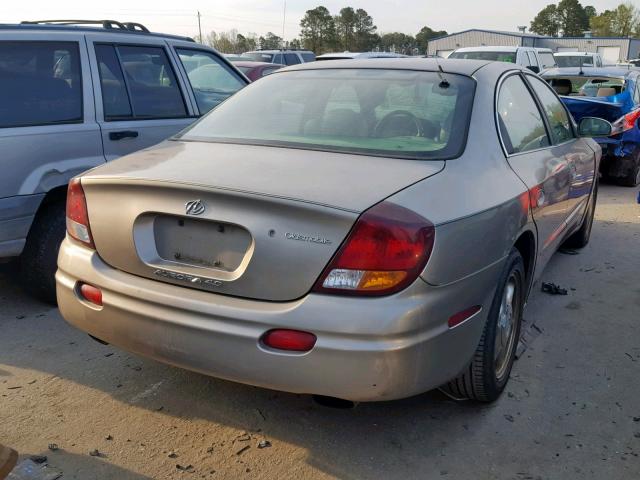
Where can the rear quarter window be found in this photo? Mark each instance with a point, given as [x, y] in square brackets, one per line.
[40, 83]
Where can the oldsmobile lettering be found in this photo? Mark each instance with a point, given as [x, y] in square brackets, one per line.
[307, 238]
[184, 277]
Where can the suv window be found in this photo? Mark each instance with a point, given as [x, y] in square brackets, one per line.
[138, 82]
[557, 116]
[519, 119]
[291, 58]
[308, 56]
[532, 59]
[547, 60]
[211, 79]
[41, 83]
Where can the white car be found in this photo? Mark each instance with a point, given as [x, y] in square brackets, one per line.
[358, 55]
[535, 59]
[577, 59]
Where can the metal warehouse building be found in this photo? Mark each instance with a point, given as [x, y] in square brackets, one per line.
[613, 49]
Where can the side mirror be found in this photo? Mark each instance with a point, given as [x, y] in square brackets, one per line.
[594, 127]
[534, 69]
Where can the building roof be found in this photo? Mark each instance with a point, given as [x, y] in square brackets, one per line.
[529, 35]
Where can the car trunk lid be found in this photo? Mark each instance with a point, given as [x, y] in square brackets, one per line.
[254, 222]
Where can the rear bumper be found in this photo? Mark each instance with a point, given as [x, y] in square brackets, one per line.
[16, 216]
[367, 349]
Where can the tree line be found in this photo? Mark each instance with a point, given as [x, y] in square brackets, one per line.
[321, 32]
[570, 19]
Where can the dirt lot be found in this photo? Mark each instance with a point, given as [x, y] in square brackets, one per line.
[571, 410]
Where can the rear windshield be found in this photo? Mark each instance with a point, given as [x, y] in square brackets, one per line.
[395, 113]
[258, 56]
[574, 61]
[509, 57]
[583, 86]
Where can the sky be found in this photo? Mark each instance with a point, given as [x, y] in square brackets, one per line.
[261, 16]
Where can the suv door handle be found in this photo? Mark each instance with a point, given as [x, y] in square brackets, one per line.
[123, 134]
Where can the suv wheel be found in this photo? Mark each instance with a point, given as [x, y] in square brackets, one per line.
[487, 374]
[38, 262]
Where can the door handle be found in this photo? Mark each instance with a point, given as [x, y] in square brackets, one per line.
[123, 134]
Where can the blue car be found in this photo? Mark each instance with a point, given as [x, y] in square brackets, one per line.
[614, 95]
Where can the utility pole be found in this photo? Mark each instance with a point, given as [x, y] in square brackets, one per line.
[199, 27]
[284, 16]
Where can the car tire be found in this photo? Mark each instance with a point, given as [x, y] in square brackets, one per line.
[486, 376]
[632, 179]
[39, 259]
[581, 237]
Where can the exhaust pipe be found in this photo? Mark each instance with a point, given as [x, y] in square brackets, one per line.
[333, 402]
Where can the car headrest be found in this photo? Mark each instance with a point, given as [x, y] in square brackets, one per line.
[606, 92]
[562, 86]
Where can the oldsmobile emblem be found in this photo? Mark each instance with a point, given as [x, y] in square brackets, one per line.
[307, 238]
[194, 207]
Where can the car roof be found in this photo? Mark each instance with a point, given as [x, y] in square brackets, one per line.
[347, 55]
[574, 54]
[279, 51]
[462, 67]
[51, 28]
[251, 64]
[612, 72]
[488, 49]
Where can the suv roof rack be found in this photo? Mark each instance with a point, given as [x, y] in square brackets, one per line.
[106, 24]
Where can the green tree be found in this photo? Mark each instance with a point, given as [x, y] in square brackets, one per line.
[625, 20]
[397, 42]
[345, 28]
[546, 22]
[424, 35]
[318, 30]
[573, 19]
[246, 43]
[601, 25]
[270, 41]
[364, 31]
[590, 11]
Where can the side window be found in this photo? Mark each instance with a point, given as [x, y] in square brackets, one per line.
[212, 81]
[557, 116]
[41, 83]
[532, 59]
[138, 82]
[636, 94]
[519, 120]
[115, 100]
[277, 58]
[291, 58]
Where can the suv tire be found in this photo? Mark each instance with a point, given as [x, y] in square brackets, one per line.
[39, 260]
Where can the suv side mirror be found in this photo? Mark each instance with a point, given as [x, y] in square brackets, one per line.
[594, 127]
[534, 69]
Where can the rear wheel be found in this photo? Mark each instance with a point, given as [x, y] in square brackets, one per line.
[580, 238]
[38, 262]
[487, 374]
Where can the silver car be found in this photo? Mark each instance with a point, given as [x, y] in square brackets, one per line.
[360, 230]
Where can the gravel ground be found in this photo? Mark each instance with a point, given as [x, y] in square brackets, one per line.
[571, 409]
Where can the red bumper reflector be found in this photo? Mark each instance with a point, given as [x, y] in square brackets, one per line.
[91, 294]
[291, 340]
[460, 317]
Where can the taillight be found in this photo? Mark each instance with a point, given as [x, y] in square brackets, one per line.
[626, 122]
[91, 294]
[385, 252]
[77, 216]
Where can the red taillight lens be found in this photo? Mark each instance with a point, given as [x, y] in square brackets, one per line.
[386, 250]
[291, 340]
[91, 294]
[626, 122]
[77, 216]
